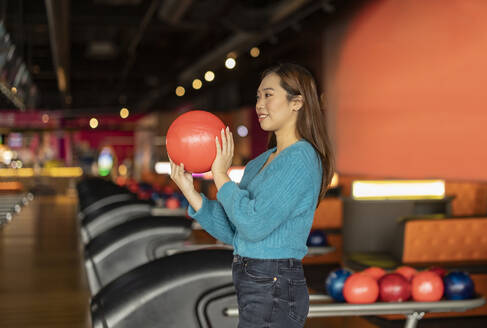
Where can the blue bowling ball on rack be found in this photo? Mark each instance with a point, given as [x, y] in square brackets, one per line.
[334, 283]
[182, 200]
[317, 238]
[458, 286]
[155, 196]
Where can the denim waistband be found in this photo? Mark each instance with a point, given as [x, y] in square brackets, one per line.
[288, 261]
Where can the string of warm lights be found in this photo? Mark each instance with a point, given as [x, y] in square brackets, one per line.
[209, 76]
[94, 122]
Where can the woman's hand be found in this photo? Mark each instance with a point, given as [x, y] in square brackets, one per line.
[183, 179]
[223, 159]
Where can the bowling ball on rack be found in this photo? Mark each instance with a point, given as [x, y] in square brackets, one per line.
[375, 272]
[360, 288]
[191, 140]
[317, 238]
[172, 203]
[155, 196]
[183, 202]
[427, 286]
[440, 271]
[407, 271]
[334, 283]
[393, 287]
[458, 286]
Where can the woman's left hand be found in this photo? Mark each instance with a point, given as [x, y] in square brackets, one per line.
[224, 153]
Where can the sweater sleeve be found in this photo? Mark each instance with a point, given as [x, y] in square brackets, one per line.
[281, 193]
[213, 219]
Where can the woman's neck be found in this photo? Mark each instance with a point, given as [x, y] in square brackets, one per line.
[285, 140]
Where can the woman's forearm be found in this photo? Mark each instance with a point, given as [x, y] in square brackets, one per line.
[194, 199]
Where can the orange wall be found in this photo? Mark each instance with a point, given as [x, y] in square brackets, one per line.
[408, 90]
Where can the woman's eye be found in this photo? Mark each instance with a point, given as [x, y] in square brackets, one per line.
[267, 95]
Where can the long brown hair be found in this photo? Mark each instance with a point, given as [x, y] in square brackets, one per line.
[311, 122]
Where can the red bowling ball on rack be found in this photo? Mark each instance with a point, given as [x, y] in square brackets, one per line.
[427, 286]
[438, 270]
[360, 288]
[393, 287]
[406, 271]
[375, 272]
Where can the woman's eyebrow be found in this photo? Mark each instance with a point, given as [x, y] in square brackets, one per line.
[266, 89]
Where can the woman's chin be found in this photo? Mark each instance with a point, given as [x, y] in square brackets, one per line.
[265, 127]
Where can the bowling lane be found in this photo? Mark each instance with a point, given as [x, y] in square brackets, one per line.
[42, 282]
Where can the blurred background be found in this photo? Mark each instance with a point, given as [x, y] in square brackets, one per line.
[89, 89]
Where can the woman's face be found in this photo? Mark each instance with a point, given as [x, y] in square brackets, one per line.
[273, 109]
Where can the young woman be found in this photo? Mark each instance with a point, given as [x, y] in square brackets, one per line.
[268, 216]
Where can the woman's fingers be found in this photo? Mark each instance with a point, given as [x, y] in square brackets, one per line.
[233, 144]
[227, 142]
[176, 170]
[224, 141]
[230, 143]
[173, 169]
[218, 148]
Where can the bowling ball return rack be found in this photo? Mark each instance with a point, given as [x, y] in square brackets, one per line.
[414, 311]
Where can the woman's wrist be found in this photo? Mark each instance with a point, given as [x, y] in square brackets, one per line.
[220, 179]
[194, 199]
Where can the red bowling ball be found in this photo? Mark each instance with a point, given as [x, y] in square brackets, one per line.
[172, 203]
[407, 271]
[393, 287]
[427, 286]
[360, 288]
[191, 140]
[375, 272]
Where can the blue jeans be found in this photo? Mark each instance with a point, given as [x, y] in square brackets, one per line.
[270, 293]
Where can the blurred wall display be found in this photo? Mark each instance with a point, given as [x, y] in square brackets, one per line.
[405, 87]
[106, 161]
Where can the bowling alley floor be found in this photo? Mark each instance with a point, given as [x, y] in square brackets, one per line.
[43, 284]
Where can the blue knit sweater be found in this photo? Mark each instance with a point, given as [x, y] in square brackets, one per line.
[270, 213]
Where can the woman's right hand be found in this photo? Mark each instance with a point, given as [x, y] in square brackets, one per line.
[183, 179]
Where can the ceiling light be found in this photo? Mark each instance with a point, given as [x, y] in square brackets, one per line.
[255, 52]
[209, 76]
[230, 63]
[93, 123]
[180, 91]
[124, 113]
[197, 84]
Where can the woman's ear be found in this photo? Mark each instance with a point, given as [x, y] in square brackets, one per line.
[297, 103]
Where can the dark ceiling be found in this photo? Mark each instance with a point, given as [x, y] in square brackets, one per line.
[92, 56]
